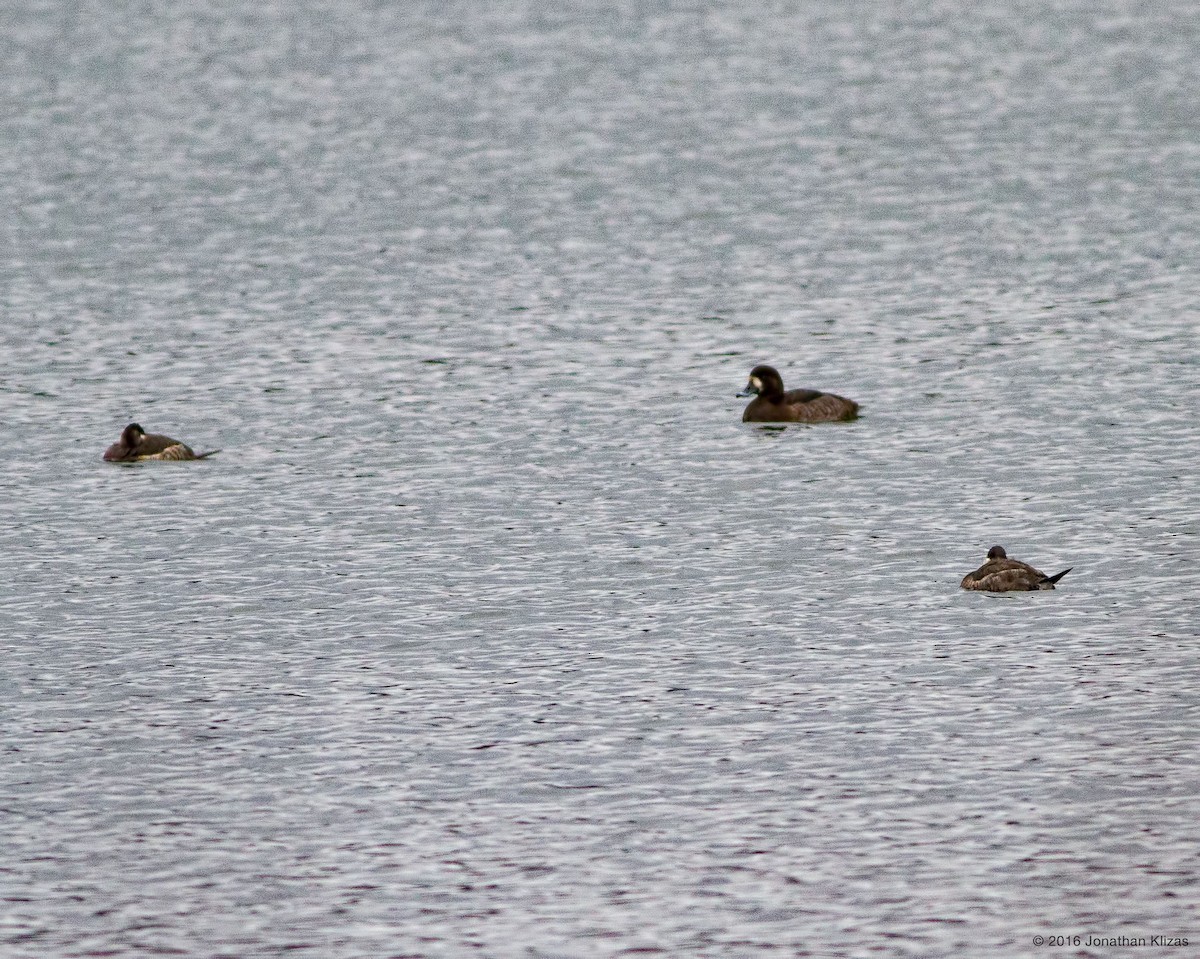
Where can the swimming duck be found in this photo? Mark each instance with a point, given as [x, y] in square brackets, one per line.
[136, 444]
[1003, 575]
[772, 405]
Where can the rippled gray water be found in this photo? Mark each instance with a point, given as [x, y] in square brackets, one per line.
[492, 631]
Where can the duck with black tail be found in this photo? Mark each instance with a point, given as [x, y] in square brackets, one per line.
[136, 445]
[1003, 575]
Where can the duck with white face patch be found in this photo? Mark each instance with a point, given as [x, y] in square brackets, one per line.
[772, 404]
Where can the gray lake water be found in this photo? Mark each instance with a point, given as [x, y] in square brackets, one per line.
[492, 630]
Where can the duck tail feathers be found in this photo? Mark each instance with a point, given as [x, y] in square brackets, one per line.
[1057, 576]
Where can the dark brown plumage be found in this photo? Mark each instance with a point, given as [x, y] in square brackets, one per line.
[772, 405]
[136, 444]
[1003, 575]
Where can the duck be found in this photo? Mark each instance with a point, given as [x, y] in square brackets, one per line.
[1003, 575]
[772, 405]
[136, 444]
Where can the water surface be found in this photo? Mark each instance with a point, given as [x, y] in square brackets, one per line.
[492, 630]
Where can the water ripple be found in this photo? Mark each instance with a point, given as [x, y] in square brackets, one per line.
[492, 629]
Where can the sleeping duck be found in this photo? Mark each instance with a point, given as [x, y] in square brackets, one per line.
[772, 405]
[136, 444]
[1003, 575]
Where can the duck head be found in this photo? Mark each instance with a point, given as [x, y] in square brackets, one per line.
[764, 381]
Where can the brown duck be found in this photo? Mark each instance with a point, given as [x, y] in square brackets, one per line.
[772, 405]
[136, 444]
[1003, 575]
